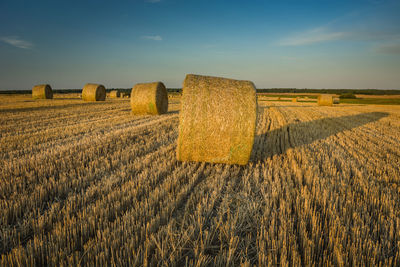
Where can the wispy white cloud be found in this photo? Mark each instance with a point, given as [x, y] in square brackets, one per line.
[16, 41]
[152, 37]
[317, 35]
[323, 35]
[370, 24]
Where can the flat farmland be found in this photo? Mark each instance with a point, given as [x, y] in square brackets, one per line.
[91, 184]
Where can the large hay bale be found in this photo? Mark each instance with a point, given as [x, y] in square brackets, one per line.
[149, 98]
[115, 94]
[94, 92]
[217, 120]
[294, 100]
[325, 100]
[336, 100]
[42, 91]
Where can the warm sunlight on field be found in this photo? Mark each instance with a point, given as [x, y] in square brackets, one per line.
[90, 183]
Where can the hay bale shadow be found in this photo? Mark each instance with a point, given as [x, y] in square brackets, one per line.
[41, 108]
[278, 141]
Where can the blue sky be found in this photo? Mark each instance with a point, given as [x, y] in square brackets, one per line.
[302, 44]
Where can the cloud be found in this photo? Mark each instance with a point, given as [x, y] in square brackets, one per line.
[17, 42]
[152, 1]
[152, 37]
[317, 35]
[323, 35]
[388, 48]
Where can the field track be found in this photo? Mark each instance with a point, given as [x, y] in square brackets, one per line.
[84, 183]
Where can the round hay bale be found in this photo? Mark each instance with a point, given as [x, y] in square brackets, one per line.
[325, 100]
[336, 100]
[217, 120]
[93, 92]
[115, 94]
[42, 91]
[294, 100]
[149, 98]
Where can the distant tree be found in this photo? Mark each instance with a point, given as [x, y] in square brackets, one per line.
[347, 96]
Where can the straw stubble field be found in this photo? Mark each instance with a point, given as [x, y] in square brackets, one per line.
[84, 183]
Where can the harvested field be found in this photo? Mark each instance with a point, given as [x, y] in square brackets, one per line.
[83, 186]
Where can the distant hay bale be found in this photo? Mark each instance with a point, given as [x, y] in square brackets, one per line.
[279, 98]
[149, 98]
[217, 120]
[42, 91]
[325, 100]
[336, 100]
[294, 100]
[94, 92]
[115, 94]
